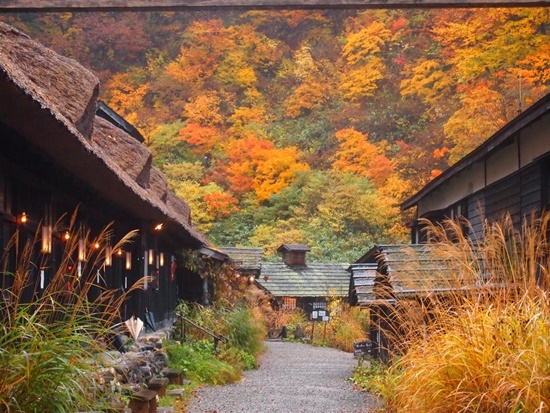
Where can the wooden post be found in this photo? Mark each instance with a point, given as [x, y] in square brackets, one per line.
[144, 401]
[312, 331]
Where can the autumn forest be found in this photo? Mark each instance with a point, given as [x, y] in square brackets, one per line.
[307, 126]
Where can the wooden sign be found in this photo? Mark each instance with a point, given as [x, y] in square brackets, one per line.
[362, 348]
[136, 5]
[320, 315]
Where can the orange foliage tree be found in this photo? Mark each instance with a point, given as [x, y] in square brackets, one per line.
[220, 204]
[359, 156]
[255, 164]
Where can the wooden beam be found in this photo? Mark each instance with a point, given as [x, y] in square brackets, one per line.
[12, 6]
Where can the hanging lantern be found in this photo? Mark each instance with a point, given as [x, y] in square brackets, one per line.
[151, 257]
[161, 259]
[46, 239]
[67, 236]
[97, 245]
[81, 250]
[108, 256]
[128, 260]
[23, 218]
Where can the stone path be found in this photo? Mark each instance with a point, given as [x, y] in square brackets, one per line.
[293, 377]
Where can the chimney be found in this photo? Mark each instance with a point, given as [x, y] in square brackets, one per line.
[294, 254]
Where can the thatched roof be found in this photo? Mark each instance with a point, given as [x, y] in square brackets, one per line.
[51, 102]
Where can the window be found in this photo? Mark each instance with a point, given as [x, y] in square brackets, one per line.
[289, 303]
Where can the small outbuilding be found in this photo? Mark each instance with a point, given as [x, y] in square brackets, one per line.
[390, 276]
[296, 283]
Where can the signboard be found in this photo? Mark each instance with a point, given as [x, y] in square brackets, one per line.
[320, 315]
[362, 348]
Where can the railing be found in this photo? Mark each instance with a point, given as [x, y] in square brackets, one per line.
[217, 337]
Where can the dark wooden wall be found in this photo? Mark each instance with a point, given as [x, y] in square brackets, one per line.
[105, 5]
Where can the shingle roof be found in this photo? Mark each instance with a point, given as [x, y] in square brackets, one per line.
[403, 270]
[244, 259]
[313, 280]
[294, 247]
[362, 283]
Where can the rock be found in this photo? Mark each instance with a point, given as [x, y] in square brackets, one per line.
[176, 392]
[299, 332]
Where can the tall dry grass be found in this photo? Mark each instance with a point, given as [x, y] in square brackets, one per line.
[47, 343]
[484, 345]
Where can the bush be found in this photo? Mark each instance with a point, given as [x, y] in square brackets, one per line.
[244, 330]
[244, 333]
[376, 378]
[200, 364]
[347, 325]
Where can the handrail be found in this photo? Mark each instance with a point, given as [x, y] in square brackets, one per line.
[216, 337]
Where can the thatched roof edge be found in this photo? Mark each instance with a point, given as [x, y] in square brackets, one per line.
[62, 122]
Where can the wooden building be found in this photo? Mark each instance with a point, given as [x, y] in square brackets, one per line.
[389, 275]
[296, 283]
[509, 173]
[56, 155]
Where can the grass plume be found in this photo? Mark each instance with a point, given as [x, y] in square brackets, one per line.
[483, 345]
[47, 342]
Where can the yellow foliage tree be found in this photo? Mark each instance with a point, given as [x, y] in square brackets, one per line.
[482, 112]
[362, 59]
[206, 42]
[204, 109]
[244, 116]
[428, 80]
[309, 95]
[271, 237]
[355, 153]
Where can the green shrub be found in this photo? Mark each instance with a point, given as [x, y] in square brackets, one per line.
[245, 331]
[376, 378]
[237, 324]
[239, 357]
[200, 363]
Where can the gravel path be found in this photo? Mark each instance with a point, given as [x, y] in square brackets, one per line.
[293, 377]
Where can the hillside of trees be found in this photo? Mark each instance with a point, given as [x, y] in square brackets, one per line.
[307, 126]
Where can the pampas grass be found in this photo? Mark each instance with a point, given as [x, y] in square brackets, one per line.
[483, 347]
[46, 345]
